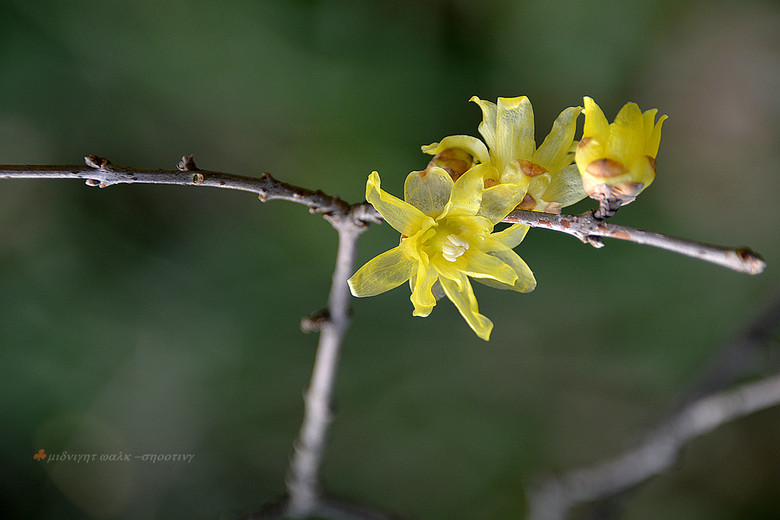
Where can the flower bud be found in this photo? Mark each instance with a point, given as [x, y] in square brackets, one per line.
[617, 160]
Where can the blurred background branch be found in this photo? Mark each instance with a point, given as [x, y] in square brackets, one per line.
[705, 408]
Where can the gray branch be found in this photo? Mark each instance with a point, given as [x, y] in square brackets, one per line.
[303, 474]
[100, 172]
[591, 230]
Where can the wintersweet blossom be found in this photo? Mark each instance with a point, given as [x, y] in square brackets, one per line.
[617, 160]
[546, 173]
[447, 237]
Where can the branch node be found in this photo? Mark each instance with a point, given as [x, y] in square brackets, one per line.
[187, 164]
[99, 163]
[314, 322]
[93, 182]
[595, 241]
[364, 214]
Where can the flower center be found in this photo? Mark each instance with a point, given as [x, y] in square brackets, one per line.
[453, 247]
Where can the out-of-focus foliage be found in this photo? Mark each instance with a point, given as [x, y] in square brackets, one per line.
[150, 319]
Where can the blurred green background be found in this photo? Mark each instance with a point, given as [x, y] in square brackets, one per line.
[154, 319]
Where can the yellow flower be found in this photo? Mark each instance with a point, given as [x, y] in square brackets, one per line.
[617, 160]
[446, 237]
[546, 173]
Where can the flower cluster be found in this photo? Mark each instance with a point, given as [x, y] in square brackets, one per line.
[450, 209]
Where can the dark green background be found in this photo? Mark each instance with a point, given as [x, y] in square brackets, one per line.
[153, 319]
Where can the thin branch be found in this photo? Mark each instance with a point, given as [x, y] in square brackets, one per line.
[554, 498]
[100, 172]
[303, 475]
[590, 230]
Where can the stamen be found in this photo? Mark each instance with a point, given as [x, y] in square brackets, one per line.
[454, 248]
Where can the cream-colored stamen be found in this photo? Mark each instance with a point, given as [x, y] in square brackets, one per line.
[453, 248]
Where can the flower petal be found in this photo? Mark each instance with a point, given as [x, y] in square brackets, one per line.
[428, 190]
[405, 218]
[566, 187]
[462, 295]
[483, 265]
[596, 124]
[498, 201]
[467, 192]
[382, 273]
[510, 237]
[488, 125]
[525, 277]
[469, 144]
[654, 136]
[642, 171]
[422, 296]
[514, 131]
[627, 135]
[552, 153]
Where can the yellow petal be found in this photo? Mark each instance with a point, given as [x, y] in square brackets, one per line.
[405, 218]
[428, 190]
[654, 137]
[525, 277]
[648, 121]
[483, 265]
[643, 171]
[488, 125]
[596, 124]
[462, 295]
[382, 273]
[514, 131]
[499, 200]
[627, 135]
[467, 192]
[411, 246]
[422, 296]
[510, 237]
[553, 152]
[566, 187]
[467, 143]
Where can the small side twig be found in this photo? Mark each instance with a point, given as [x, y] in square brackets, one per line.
[591, 230]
